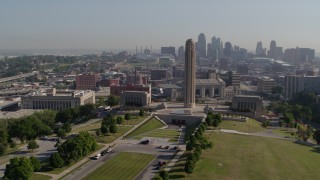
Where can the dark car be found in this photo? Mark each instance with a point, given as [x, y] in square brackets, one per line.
[145, 141]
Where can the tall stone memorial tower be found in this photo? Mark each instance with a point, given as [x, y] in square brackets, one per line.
[190, 74]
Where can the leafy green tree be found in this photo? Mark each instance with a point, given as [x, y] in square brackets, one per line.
[113, 100]
[280, 124]
[141, 113]
[277, 90]
[64, 116]
[87, 110]
[104, 129]
[79, 146]
[316, 136]
[35, 163]
[288, 118]
[56, 161]
[3, 140]
[67, 127]
[98, 132]
[61, 133]
[47, 116]
[119, 120]
[113, 128]
[127, 116]
[32, 145]
[189, 166]
[101, 102]
[215, 123]
[164, 175]
[18, 168]
[209, 120]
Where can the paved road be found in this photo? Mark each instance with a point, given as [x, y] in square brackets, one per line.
[161, 154]
[46, 148]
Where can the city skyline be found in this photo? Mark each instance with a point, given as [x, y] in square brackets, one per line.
[125, 25]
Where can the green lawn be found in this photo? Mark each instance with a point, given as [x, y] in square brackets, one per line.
[284, 132]
[250, 126]
[40, 177]
[108, 139]
[134, 120]
[90, 127]
[248, 157]
[123, 166]
[172, 135]
[150, 125]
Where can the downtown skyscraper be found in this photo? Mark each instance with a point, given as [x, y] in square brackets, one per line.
[201, 46]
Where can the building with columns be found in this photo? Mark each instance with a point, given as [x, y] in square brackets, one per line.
[211, 87]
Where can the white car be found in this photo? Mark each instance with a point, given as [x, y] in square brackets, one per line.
[97, 156]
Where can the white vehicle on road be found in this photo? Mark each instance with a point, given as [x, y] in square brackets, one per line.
[97, 156]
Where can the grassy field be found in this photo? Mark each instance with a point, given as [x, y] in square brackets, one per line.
[248, 157]
[150, 125]
[250, 126]
[134, 120]
[172, 135]
[123, 166]
[112, 137]
[40, 177]
[284, 132]
[90, 127]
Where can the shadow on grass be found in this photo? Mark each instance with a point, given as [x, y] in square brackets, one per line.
[178, 170]
[303, 143]
[316, 150]
[176, 176]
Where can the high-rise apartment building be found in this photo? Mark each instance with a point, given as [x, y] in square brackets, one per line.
[190, 69]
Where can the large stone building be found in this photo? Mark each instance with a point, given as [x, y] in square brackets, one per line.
[190, 69]
[294, 84]
[57, 100]
[252, 104]
[87, 81]
[211, 87]
[135, 98]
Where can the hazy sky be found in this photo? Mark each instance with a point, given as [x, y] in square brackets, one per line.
[117, 24]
